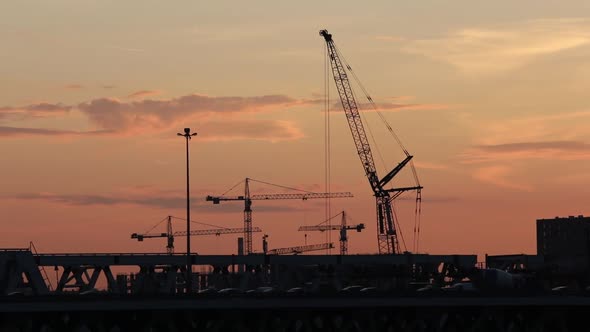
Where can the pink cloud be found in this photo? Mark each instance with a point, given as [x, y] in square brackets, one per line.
[27, 132]
[117, 115]
[34, 110]
[74, 86]
[499, 176]
[553, 150]
[219, 118]
[143, 93]
[395, 107]
[427, 165]
[267, 130]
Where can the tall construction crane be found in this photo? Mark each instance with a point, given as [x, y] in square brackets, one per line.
[386, 230]
[294, 250]
[247, 198]
[343, 228]
[170, 234]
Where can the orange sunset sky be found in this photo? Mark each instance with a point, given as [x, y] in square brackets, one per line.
[491, 98]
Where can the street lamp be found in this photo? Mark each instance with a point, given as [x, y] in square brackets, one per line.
[187, 134]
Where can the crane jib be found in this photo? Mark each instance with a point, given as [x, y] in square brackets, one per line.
[386, 231]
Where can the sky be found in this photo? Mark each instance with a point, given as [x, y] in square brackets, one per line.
[489, 97]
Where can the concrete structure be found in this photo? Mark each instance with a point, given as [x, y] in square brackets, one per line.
[164, 273]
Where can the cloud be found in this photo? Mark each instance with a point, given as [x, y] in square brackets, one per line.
[74, 86]
[499, 176]
[115, 115]
[390, 38]
[219, 118]
[143, 93]
[394, 107]
[505, 47]
[27, 132]
[551, 150]
[267, 130]
[555, 127]
[34, 110]
[161, 200]
[427, 165]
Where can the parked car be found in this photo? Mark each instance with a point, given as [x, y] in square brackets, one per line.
[354, 289]
[369, 290]
[296, 291]
[261, 290]
[207, 291]
[230, 291]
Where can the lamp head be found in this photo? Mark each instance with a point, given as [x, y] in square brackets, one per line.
[187, 131]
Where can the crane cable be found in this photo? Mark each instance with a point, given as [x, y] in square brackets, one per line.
[418, 205]
[327, 220]
[372, 102]
[284, 187]
[327, 145]
[201, 223]
[156, 225]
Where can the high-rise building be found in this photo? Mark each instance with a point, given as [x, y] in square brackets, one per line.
[564, 241]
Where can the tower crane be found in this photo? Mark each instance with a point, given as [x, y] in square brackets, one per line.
[247, 198]
[342, 228]
[170, 234]
[293, 250]
[386, 230]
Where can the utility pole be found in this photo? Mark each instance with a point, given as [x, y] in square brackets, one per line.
[187, 135]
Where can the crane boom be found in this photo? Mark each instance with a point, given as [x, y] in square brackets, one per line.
[216, 231]
[218, 199]
[343, 227]
[386, 230]
[170, 234]
[247, 198]
[300, 249]
[323, 228]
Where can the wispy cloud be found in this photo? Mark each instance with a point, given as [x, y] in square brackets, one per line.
[117, 115]
[562, 126]
[162, 201]
[74, 86]
[556, 150]
[499, 175]
[428, 165]
[390, 38]
[505, 47]
[219, 118]
[34, 110]
[266, 130]
[27, 132]
[392, 106]
[143, 94]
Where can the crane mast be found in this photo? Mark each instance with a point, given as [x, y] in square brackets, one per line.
[343, 227]
[386, 231]
[170, 234]
[247, 198]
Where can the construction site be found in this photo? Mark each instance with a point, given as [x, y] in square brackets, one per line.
[304, 288]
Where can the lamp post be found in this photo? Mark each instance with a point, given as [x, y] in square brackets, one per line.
[187, 135]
